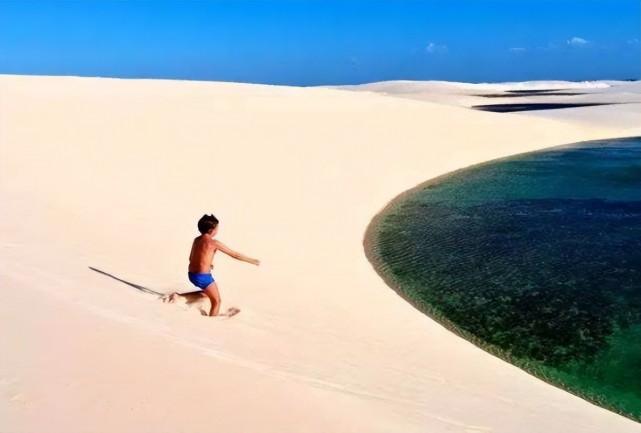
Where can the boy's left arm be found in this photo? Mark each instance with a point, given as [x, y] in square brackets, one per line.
[235, 254]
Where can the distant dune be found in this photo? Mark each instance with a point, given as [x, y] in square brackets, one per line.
[586, 95]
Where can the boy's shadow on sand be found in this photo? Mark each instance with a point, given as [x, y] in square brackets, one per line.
[135, 286]
[190, 298]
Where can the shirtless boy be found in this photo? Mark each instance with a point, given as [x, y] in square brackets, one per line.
[201, 263]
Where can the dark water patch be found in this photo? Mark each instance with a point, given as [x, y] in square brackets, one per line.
[527, 94]
[510, 108]
[533, 91]
[535, 258]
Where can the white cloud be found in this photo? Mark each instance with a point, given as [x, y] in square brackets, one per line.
[517, 50]
[578, 42]
[433, 48]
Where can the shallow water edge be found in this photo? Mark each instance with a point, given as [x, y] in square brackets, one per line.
[548, 374]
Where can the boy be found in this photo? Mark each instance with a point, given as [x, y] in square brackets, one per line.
[201, 264]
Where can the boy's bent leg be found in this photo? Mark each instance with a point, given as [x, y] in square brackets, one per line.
[191, 296]
[171, 298]
[212, 292]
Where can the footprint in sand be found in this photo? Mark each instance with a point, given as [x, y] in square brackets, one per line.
[231, 312]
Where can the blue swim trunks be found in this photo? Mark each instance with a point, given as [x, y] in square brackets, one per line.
[200, 280]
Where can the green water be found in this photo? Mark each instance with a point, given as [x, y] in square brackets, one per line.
[535, 258]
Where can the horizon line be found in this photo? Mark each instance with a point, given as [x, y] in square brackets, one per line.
[315, 85]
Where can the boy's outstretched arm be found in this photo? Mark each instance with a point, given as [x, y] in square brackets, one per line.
[238, 256]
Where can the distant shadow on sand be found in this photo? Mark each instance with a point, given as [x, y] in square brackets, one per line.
[135, 286]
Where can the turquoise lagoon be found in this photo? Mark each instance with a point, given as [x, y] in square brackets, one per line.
[535, 258]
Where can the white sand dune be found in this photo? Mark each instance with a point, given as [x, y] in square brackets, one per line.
[113, 174]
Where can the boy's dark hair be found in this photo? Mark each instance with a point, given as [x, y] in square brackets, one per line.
[207, 223]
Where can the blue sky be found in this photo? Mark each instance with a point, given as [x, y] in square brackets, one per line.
[324, 42]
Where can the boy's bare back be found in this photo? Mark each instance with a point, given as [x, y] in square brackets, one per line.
[202, 254]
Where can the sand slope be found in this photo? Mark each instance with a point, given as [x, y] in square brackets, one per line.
[113, 174]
